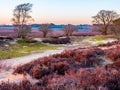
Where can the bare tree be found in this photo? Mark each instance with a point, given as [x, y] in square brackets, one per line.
[104, 19]
[45, 29]
[21, 16]
[69, 29]
[116, 28]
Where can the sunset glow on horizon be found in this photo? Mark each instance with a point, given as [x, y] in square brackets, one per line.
[59, 11]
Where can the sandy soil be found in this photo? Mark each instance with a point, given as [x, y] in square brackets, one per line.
[7, 66]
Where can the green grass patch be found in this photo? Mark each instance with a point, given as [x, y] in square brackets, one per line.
[6, 54]
[102, 37]
[23, 48]
[97, 38]
[79, 39]
[92, 38]
[100, 42]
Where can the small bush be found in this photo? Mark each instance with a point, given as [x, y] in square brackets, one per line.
[57, 40]
[113, 53]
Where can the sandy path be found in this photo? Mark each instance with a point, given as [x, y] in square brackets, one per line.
[12, 63]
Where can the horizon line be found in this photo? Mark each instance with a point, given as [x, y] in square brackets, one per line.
[53, 23]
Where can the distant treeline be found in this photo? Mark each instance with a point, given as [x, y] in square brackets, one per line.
[80, 27]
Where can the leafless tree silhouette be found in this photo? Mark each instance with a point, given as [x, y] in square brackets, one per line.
[21, 16]
[69, 29]
[45, 29]
[104, 19]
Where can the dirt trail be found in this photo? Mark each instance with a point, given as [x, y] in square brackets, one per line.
[12, 63]
[7, 66]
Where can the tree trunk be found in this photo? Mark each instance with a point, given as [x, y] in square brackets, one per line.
[67, 35]
[105, 29]
[44, 35]
[104, 32]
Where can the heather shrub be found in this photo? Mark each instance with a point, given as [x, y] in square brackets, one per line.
[78, 69]
[60, 63]
[98, 78]
[113, 53]
[38, 71]
[110, 44]
[24, 85]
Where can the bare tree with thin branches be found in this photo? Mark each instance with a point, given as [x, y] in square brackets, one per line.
[45, 29]
[21, 16]
[104, 19]
[69, 29]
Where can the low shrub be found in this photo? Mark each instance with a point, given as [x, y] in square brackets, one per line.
[56, 40]
[113, 53]
[110, 44]
[60, 63]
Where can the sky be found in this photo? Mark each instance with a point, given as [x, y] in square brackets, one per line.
[59, 11]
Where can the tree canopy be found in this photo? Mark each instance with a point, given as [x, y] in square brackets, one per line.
[104, 19]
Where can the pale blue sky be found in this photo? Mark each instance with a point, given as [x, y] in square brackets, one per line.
[59, 11]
